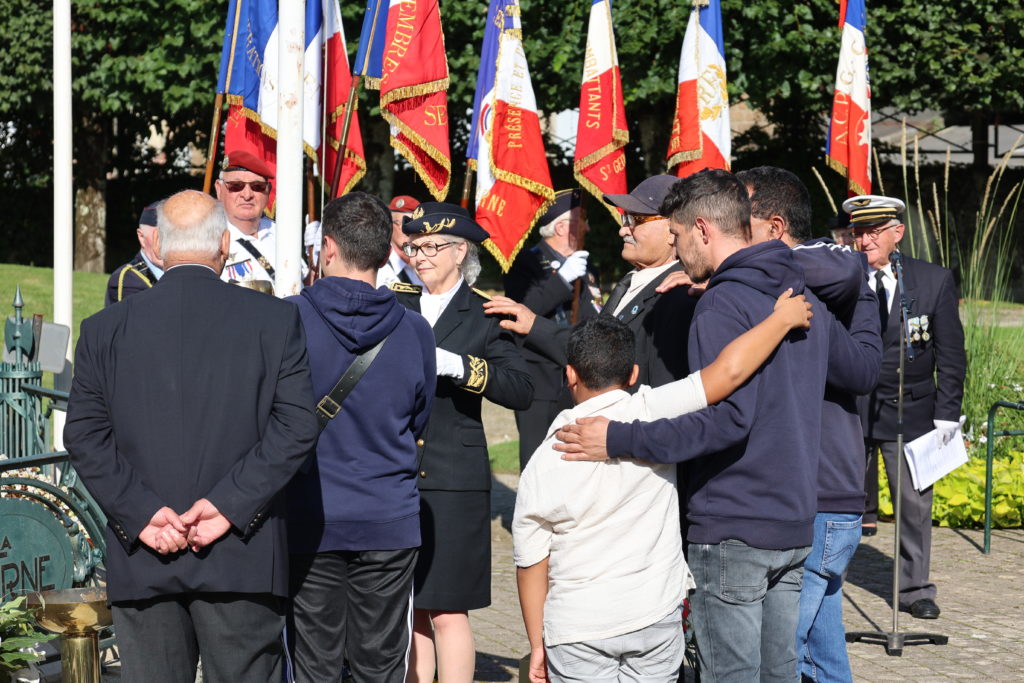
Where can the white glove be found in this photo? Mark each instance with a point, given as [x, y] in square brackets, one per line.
[449, 364]
[312, 235]
[945, 430]
[574, 266]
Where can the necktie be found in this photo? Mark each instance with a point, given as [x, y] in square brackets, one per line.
[617, 293]
[883, 301]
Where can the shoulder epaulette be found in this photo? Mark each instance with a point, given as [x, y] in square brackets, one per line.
[481, 293]
[405, 287]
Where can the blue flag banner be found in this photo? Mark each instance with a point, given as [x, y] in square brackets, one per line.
[370, 56]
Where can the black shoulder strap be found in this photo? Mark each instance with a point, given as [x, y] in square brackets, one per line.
[256, 254]
[330, 405]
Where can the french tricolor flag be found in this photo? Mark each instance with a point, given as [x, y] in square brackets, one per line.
[513, 186]
[248, 78]
[600, 160]
[848, 148]
[701, 137]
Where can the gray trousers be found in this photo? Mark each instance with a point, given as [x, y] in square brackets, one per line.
[650, 655]
[915, 527]
[239, 637]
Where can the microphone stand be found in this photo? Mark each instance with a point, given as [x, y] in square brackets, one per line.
[894, 640]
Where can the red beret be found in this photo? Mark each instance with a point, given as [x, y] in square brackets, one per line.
[241, 160]
[403, 202]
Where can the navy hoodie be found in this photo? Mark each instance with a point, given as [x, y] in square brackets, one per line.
[759, 483]
[836, 274]
[359, 491]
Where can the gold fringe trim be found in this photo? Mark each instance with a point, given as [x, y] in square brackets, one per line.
[439, 193]
[845, 172]
[371, 82]
[506, 262]
[596, 193]
[619, 140]
[408, 91]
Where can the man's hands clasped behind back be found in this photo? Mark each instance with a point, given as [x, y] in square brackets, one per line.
[169, 532]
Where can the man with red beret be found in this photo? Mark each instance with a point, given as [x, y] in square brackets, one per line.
[397, 269]
[244, 189]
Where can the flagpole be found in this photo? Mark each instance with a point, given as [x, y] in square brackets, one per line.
[350, 106]
[291, 36]
[577, 286]
[467, 185]
[218, 105]
[63, 197]
[211, 152]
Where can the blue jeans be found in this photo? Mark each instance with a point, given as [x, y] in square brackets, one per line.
[745, 610]
[820, 638]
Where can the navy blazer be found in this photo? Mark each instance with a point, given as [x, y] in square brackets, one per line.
[934, 380]
[453, 449]
[192, 389]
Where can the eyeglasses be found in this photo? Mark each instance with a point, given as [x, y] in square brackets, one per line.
[872, 235]
[258, 186]
[428, 248]
[632, 220]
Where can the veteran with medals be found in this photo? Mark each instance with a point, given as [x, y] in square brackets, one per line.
[476, 359]
[933, 383]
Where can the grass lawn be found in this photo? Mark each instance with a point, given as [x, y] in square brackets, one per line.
[504, 457]
[37, 291]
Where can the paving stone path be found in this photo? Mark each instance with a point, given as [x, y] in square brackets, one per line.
[981, 596]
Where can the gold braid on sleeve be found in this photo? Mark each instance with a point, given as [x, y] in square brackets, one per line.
[477, 380]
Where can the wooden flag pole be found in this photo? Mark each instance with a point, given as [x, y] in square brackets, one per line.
[350, 106]
[577, 287]
[211, 152]
[467, 186]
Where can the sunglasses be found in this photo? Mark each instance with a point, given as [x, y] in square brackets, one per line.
[258, 186]
[632, 220]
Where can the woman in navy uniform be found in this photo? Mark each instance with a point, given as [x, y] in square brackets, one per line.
[476, 359]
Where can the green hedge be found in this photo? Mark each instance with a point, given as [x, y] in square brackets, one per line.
[960, 496]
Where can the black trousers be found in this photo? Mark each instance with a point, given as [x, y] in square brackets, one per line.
[915, 522]
[354, 606]
[238, 636]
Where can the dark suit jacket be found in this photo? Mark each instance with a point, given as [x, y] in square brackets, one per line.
[534, 283]
[131, 278]
[453, 450]
[660, 323]
[934, 380]
[194, 388]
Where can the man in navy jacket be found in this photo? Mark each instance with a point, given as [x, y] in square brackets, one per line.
[187, 465]
[752, 500]
[781, 209]
[353, 508]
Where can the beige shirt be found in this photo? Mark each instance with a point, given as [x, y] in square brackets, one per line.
[611, 528]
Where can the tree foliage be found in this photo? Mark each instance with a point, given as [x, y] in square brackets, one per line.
[142, 62]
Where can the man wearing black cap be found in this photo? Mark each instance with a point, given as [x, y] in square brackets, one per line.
[142, 271]
[660, 322]
[543, 278]
[933, 382]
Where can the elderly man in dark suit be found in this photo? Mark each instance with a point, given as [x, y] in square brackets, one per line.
[933, 383]
[188, 464]
[544, 279]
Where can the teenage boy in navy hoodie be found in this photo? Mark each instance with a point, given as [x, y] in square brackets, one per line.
[752, 500]
[781, 209]
[353, 509]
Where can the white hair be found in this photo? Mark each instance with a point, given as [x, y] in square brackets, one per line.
[548, 229]
[470, 268]
[202, 238]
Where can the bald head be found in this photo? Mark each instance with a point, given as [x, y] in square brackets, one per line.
[193, 229]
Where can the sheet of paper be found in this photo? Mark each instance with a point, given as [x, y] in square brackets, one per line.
[929, 460]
